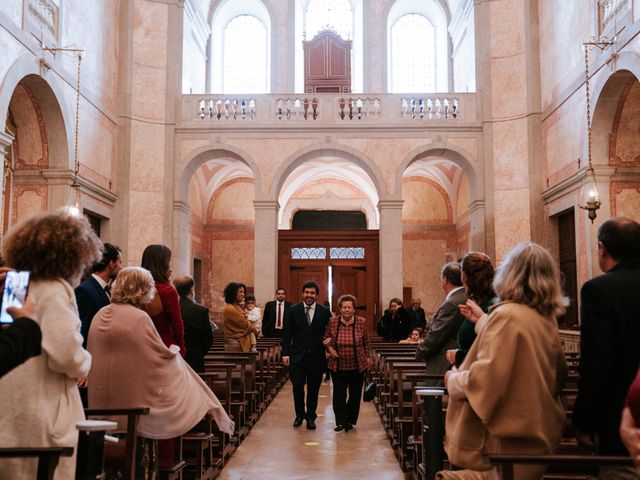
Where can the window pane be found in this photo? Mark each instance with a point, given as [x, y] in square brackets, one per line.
[309, 253]
[333, 13]
[245, 56]
[346, 252]
[413, 55]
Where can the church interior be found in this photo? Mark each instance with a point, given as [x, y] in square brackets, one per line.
[361, 144]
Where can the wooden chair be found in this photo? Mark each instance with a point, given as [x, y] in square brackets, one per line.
[48, 458]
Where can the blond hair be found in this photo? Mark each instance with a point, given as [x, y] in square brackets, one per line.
[530, 276]
[56, 244]
[133, 285]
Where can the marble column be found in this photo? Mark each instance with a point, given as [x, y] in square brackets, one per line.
[5, 142]
[391, 274]
[265, 249]
[181, 253]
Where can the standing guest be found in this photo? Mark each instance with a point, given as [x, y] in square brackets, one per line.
[275, 314]
[168, 320]
[609, 339]
[122, 335]
[304, 353]
[347, 342]
[443, 330]
[91, 295]
[40, 401]
[413, 339]
[477, 278]
[198, 334]
[395, 323]
[417, 315]
[506, 395]
[239, 332]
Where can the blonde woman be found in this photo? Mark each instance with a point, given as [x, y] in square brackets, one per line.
[505, 396]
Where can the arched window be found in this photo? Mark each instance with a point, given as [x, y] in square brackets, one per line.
[245, 56]
[417, 47]
[240, 48]
[413, 55]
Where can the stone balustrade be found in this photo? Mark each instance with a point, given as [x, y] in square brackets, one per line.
[326, 110]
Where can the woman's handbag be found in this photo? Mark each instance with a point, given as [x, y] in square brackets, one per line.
[369, 391]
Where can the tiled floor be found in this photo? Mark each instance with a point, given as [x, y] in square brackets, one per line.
[276, 450]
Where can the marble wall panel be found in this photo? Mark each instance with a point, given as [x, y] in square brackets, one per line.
[13, 10]
[425, 202]
[148, 87]
[97, 142]
[508, 86]
[510, 157]
[11, 50]
[233, 203]
[625, 199]
[150, 33]
[146, 169]
[27, 200]
[507, 27]
[512, 220]
[145, 223]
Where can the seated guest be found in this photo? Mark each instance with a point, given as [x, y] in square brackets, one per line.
[413, 339]
[239, 332]
[40, 401]
[477, 278]
[198, 333]
[506, 395]
[395, 323]
[122, 335]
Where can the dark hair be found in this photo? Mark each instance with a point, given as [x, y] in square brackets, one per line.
[395, 300]
[109, 254]
[620, 236]
[156, 258]
[479, 272]
[311, 284]
[231, 292]
[452, 273]
[280, 288]
[249, 298]
[184, 284]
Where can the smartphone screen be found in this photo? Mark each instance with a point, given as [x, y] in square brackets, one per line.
[16, 285]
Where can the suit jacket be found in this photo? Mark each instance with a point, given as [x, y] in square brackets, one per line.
[609, 353]
[198, 335]
[300, 340]
[90, 297]
[18, 343]
[442, 334]
[418, 318]
[269, 319]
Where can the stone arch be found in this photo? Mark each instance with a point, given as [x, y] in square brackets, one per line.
[331, 149]
[48, 94]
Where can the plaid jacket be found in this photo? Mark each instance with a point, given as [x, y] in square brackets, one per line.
[362, 346]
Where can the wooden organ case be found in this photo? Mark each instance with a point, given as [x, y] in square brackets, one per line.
[327, 64]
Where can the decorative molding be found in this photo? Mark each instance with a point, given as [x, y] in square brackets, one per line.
[575, 182]
[42, 17]
[390, 204]
[5, 142]
[182, 207]
[475, 206]
[266, 205]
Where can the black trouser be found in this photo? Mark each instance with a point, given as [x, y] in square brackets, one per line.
[346, 411]
[305, 372]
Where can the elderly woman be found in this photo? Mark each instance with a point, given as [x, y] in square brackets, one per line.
[40, 400]
[122, 335]
[395, 323]
[347, 343]
[239, 331]
[477, 278]
[505, 398]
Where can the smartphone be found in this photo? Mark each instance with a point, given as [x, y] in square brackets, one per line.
[16, 286]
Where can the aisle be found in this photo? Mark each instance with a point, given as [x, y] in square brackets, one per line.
[276, 450]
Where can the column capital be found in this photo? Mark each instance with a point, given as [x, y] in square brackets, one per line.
[476, 205]
[5, 141]
[266, 205]
[182, 207]
[390, 204]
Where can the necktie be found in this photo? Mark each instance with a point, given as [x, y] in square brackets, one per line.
[279, 317]
[308, 316]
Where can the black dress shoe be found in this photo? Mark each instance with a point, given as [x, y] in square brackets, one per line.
[297, 422]
[348, 427]
[311, 425]
[339, 428]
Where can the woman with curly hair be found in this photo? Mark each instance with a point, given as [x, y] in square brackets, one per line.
[477, 278]
[165, 313]
[40, 400]
[239, 331]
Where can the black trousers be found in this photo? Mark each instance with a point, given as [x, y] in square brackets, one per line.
[301, 374]
[347, 410]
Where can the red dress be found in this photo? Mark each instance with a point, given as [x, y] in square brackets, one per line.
[169, 322]
[633, 399]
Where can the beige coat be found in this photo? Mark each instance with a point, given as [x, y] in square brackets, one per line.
[511, 379]
[39, 400]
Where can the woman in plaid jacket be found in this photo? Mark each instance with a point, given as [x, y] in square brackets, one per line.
[347, 343]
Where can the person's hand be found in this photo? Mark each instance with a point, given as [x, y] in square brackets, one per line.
[332, 352]
[285, 361]
[326, 341]
[451, 356]
[28, 310]
[630, 435]
[585, 440]
[471, 311]
[82, 381]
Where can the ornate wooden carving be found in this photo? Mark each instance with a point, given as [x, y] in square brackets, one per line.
[327, 64]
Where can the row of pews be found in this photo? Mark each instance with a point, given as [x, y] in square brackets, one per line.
[403, 391]
[245, 384]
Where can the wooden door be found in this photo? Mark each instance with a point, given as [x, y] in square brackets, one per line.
[300, 274]
[351, 280]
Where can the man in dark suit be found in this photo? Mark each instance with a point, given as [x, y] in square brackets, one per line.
[91, 295]
[198, 333]
[443, 330]
[304, 353]
[610, 340]
[416, 312]
[275, 314]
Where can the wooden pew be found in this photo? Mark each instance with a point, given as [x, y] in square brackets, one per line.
[48, 458]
